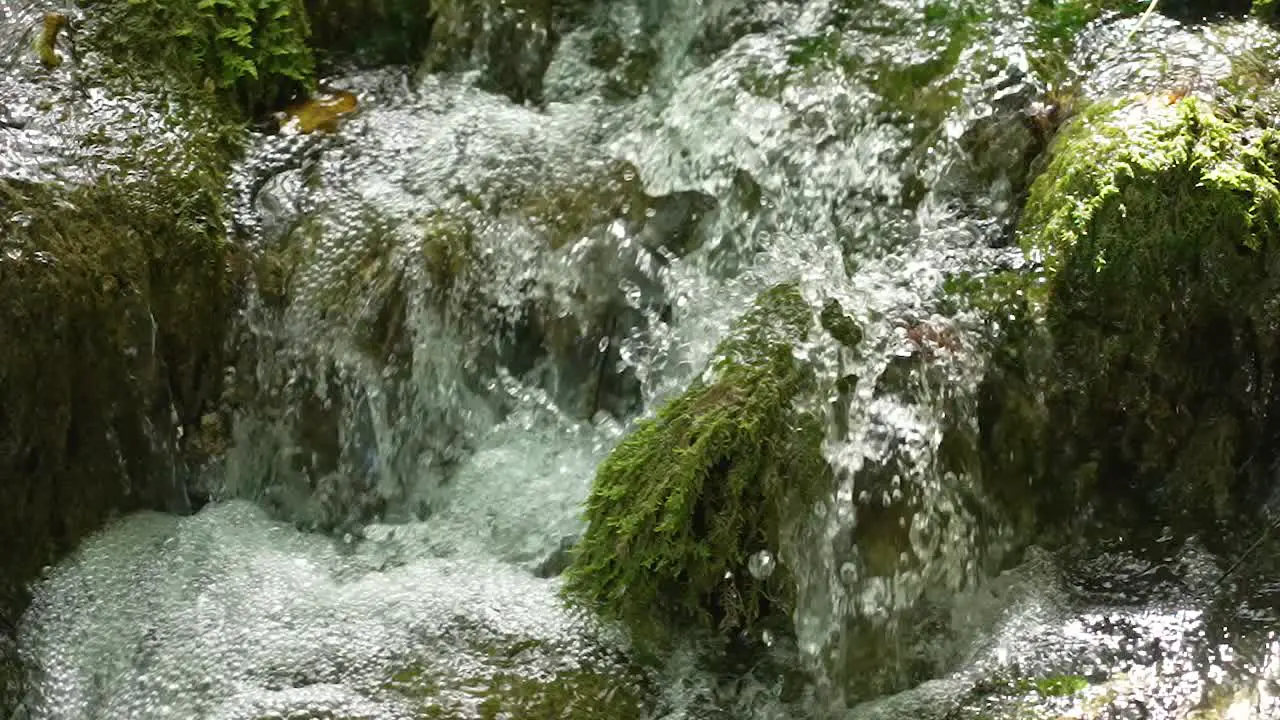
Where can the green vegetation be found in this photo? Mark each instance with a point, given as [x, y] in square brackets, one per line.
[1054, 685]
[1156, 225]
[47, 40]
[1057, 23]
[678, 508]
[253, 52]
[1266, 10]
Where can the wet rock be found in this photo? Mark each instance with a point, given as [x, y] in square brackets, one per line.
[122, 306]
[510, 42]
[370, 32]
[492, 233]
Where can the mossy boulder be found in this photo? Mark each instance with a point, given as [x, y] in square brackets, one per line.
[681, 506]
[118, 293]
[510, 42]
[1155, 226]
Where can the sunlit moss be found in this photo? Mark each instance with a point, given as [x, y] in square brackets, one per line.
[678, 508]
[1155, 224]
[1054, 685]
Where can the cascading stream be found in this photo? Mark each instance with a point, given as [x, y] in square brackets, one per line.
[460, 305]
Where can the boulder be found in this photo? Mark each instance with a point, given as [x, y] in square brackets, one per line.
[1154, 225]
[687, 514]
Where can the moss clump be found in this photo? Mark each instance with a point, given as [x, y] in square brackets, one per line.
[254, 52]
[1156, 226]
[678, 508]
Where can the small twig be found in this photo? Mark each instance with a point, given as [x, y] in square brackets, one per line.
[1248, 551]
[1151, 7]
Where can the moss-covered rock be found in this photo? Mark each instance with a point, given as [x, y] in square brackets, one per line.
[572, 694]
[509, 41]
[1155, 224]
[117, 298]
[253, 52]
[681, 505]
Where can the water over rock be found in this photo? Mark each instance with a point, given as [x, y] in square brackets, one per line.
[441, 240]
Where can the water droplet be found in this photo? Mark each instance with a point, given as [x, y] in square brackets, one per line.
[761, 565]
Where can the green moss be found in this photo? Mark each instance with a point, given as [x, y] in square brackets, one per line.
[1155, 224]
[448, 249]
[253, 52]
[920, 86]
[1054, 685]
[678, 508]
[571, 694]
[46, 42]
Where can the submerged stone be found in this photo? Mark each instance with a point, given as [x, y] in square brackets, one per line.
[321, 112]
[679, 508]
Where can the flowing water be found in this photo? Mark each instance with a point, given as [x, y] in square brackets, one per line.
[463, 302]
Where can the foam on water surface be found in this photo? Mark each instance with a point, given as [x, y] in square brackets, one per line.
[230, 615]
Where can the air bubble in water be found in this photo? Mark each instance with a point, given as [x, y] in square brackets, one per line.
[761, 565]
